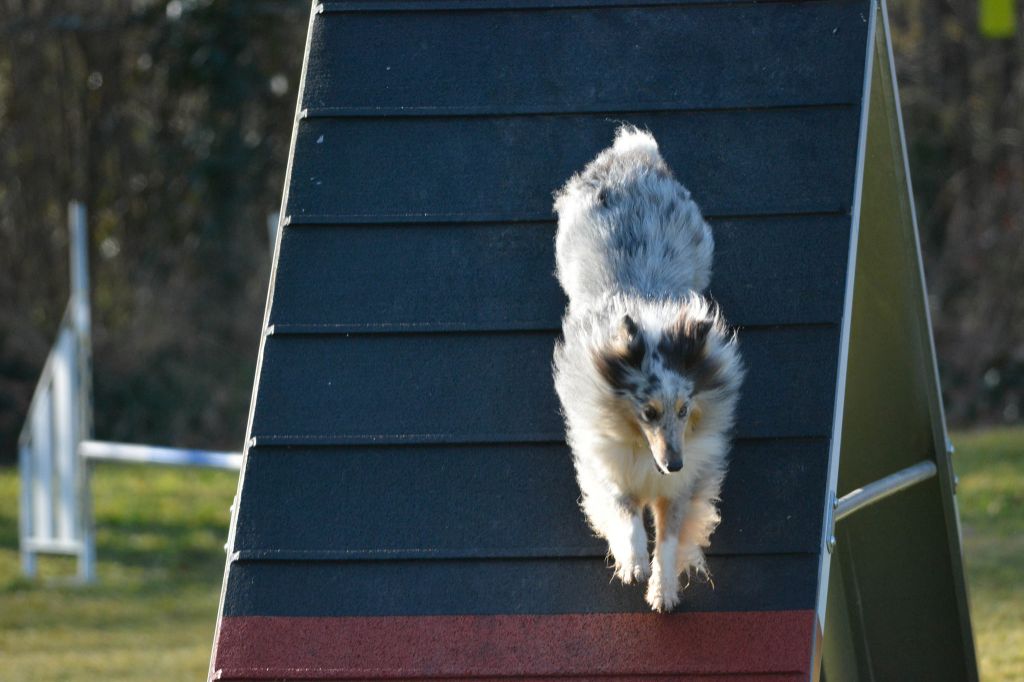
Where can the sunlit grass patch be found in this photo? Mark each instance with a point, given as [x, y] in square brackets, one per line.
[990, 465]
[160, 537]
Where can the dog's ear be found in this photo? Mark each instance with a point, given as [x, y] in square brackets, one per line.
[686, 351]
[684, 344]
[623, 356]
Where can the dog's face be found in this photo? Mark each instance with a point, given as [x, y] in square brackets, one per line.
[657, 380]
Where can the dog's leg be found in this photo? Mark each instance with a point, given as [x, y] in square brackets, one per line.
[619, 520]
[663, 588]
[699, 523]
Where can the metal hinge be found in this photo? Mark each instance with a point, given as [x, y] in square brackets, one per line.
[830, 522]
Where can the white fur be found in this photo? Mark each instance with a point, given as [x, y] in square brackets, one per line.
[621, 246]
[631, 242]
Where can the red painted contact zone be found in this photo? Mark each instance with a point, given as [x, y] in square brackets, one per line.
[772, 645]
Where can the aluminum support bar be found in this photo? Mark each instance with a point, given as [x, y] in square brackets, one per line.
[857, 499]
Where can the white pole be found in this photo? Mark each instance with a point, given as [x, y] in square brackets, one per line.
[42, 469]
[64, 432]
[81, 322]
[152, 454]
[26, 478]
[81, 312]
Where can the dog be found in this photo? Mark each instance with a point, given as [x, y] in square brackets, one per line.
[647, 371]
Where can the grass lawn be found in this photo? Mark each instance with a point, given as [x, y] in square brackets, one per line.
[990, 465]
[160, 544]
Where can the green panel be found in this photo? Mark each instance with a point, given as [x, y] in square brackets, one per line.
[906, 605]
[840, 654]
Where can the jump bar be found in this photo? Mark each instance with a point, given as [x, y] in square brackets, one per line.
[149, 454]
[884, 487]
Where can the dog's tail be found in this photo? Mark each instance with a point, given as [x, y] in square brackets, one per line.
[625, 222]
[681, 232]
[630, 139]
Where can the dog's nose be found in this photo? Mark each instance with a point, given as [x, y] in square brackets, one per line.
[675, 466]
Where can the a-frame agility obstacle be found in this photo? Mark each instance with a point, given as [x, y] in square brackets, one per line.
[407, 506]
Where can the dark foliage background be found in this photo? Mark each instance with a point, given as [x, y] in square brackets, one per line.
[963, 107]
[171, 120]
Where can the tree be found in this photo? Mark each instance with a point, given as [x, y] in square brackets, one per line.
[172, 122]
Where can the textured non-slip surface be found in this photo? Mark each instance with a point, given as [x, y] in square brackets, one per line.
[514, 499]
[497, 387]
[408, 506]
[696, 644]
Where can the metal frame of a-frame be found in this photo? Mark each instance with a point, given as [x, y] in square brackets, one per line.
[900, 565]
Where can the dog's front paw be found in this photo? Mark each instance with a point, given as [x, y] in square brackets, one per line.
[632, 561]
[691, 562]
[633, 570]
[662, 592]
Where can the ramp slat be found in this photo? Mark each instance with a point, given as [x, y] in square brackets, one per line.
[500, 276]
[699, 644]
[505, 167]
[513, 500]
[610, 59]
[492, 387]
[488, 586]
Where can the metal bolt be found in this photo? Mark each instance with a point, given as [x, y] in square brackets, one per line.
[830, 544]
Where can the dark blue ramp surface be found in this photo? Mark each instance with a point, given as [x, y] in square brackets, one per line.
[741, 162]
[490, 276]
[408, 507]
[334, 388]
[408, 510]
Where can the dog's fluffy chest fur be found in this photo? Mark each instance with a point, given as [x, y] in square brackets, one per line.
[630, 466]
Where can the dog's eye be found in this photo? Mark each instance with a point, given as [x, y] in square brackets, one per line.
[683, 411]
[651, 413]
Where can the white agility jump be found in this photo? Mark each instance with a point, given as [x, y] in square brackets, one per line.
[55, 447]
